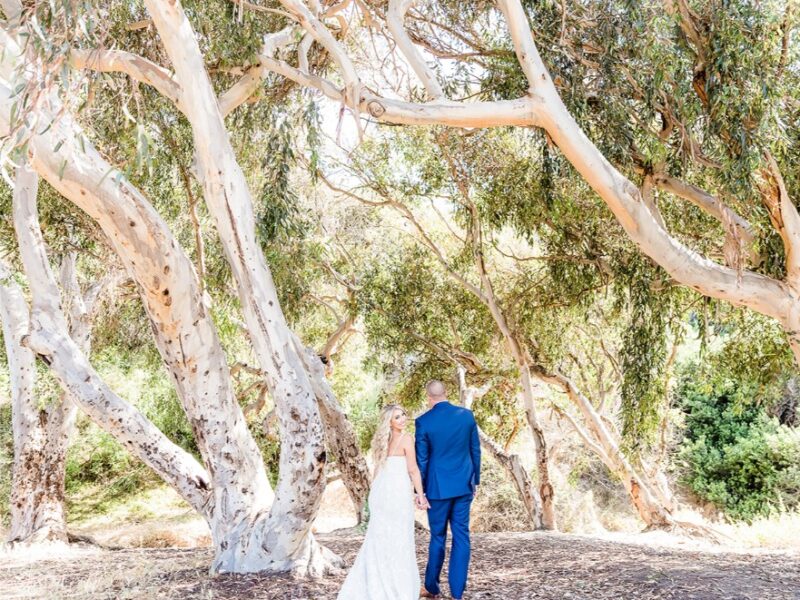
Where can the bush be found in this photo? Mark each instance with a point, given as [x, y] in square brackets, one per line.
[733, 454]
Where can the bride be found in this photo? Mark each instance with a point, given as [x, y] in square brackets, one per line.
[386, 565]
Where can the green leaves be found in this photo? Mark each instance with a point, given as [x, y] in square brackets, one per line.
[643, 352]
[732, 453]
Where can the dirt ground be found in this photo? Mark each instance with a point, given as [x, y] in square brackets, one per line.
[518, 566]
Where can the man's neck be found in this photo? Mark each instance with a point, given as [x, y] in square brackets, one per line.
[432, 403]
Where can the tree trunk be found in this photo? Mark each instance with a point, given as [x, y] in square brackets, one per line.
[528, 494]
[519, 353]
[47, 337]
[792, 327]
[281, 541]
[540, 447]
[599, 439]
[184, 333]
[522, 481]
[339, 433]
[40, 434]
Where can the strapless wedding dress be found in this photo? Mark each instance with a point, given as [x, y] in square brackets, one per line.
[386, 565]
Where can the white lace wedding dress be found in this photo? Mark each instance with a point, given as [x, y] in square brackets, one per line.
[386, 565]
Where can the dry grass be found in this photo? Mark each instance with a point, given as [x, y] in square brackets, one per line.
[777, 532]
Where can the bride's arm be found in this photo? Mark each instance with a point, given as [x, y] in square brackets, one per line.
[411, 464]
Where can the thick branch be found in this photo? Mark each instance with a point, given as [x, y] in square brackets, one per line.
[453, 114]
[743, 288]
[281, 539]
[241, 91]
[133, 65]
[50, 340]
[710, 205]
[394, 20]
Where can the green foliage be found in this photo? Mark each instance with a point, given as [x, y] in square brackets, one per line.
[755, 350]
[95, 458]
[358, 389]
[733, 454]
[643, 352]
[270, 447]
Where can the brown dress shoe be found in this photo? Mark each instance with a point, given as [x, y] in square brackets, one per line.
[423, 593]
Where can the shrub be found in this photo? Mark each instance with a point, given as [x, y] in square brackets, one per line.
[733, 454]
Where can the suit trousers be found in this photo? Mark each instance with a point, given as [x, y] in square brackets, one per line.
[452, 512]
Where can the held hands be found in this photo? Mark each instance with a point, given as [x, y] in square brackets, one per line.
[421, 502]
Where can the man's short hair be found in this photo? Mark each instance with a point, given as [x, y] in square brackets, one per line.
[435, 388]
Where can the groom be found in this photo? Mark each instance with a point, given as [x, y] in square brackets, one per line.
[449, 458]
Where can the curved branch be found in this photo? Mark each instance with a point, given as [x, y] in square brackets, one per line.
[394, 20]
[453, 114]
[744, 288]
[135, 66]
[243, 89]
[50, 340]
[707, 203]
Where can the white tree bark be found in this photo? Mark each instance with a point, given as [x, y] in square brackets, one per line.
[339, 433]
[167, 282]
[143, 70]
[521, 357]
[546, 492]
[48, 338]
[395, 14]
[40, 433]
[281, 541]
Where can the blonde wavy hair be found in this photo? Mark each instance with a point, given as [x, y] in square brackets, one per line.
[380, 441]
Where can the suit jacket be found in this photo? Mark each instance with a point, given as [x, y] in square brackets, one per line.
[448, 451]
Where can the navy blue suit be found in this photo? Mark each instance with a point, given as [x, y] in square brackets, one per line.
[449, 457]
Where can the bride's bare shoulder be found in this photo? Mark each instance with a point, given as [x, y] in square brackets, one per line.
[407, 440]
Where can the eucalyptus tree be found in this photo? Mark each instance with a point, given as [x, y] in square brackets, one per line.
[285, 362]
[531, 307]
[685, 101]
[234, 495]
[42, 432]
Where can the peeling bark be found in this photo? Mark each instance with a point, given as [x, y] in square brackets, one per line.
[339, 433]
[40, 434]
[546, 491]
[519, 476]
